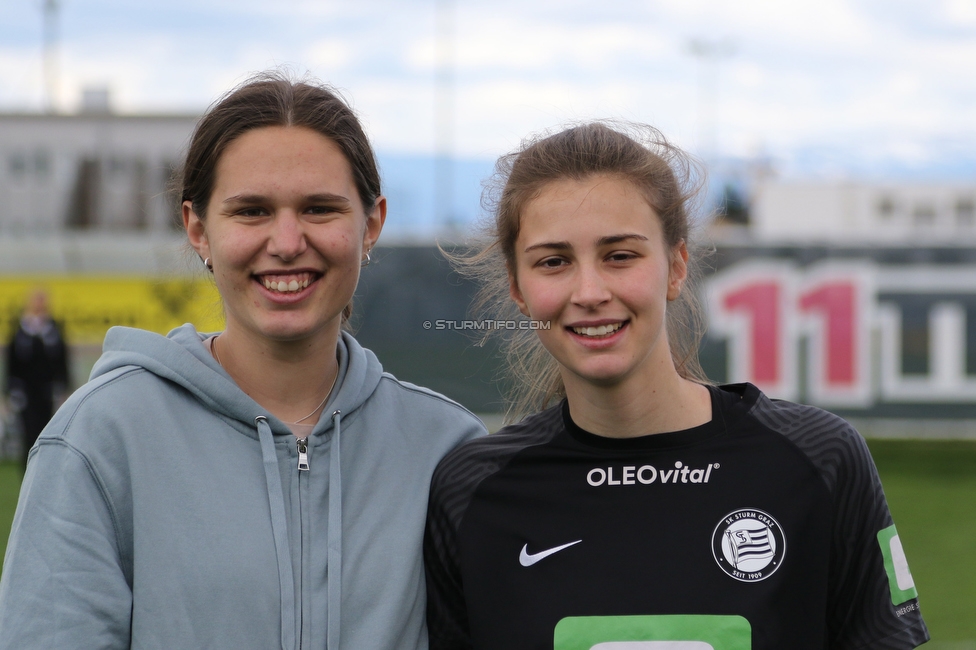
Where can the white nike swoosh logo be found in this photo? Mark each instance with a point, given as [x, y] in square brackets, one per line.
[528, 559]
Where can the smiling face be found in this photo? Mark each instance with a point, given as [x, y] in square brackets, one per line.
[285, 231]
[591, 259]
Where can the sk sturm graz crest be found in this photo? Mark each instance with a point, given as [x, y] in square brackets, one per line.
[749, 545]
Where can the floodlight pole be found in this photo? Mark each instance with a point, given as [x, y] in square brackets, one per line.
[444, 114]
[709, 54]
[50, 10]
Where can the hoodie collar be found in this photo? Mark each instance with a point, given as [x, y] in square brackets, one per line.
[181, 357]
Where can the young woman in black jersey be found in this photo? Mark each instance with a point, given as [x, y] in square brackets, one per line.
[643, 508]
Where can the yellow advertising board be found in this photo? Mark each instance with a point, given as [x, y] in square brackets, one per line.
[88, 305]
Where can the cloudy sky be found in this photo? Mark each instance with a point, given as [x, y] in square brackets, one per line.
[818, 87]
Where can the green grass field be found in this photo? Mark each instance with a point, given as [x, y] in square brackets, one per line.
[931, 488]
[10, 476]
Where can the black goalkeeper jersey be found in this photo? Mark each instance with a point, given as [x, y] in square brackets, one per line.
[764, 529]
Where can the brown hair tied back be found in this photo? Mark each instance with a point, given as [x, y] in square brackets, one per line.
[272, 99]
[669, 179]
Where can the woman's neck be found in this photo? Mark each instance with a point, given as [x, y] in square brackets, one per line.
[291, 379]
[638, 406]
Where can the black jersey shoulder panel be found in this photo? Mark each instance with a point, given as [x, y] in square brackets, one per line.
[827, 440]
[461, 471]
[860, 613]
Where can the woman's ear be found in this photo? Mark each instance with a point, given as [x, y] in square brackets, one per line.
[374, 224]
[196, 231]
[516, 294]
[678, 272]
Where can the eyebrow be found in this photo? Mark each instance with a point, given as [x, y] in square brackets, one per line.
[324, 197]
[616, 239]
[603, 241]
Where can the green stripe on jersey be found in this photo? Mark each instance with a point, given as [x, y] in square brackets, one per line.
[900, 580]
[671, 632]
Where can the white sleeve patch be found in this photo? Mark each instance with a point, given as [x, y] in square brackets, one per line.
[903, 575]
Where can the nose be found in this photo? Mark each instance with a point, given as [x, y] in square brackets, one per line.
[591, 287]
[287, 238]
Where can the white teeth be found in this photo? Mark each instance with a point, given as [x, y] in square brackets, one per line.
[601, 330]
[282, 286]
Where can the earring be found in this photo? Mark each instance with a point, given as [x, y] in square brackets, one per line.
[366, 261]
[207, 263]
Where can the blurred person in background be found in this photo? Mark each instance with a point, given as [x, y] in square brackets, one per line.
[260, 487]
[643, 504]
[37, 370]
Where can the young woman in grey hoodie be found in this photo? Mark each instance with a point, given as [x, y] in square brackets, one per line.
[262, 487]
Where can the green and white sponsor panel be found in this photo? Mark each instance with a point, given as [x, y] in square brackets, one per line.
[663, 632]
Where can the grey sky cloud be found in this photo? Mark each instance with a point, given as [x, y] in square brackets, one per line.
[865, 84]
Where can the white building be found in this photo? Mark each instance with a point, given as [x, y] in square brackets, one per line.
[856, 213]
[93, 171]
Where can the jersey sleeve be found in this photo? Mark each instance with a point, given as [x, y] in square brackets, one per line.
[63, 582]
[447, 619]
[872, 602]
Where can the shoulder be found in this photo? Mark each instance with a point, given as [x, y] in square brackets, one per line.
[419, 409]
[790, 418]
[459, 474]
[91, 435]
[105, 402]
[404, 390]
[474, 461]
[828, 441]
[103, 389]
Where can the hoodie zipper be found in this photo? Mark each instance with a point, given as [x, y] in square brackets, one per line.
[303, 531]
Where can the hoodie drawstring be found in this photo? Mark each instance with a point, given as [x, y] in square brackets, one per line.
[335, 536]
[279, 529]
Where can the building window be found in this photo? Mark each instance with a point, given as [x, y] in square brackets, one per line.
[174, 209]
[42, 164]
[886, 208]
[18, 165]
[38, 165]
[965, 212]
[116, 165]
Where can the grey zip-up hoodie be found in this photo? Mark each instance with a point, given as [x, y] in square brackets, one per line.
[164, 508]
